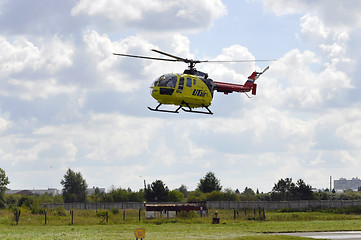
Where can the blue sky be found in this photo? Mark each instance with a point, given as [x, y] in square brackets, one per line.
[67, 102]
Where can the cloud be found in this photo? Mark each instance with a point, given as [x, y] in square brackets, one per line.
[22, 54]
[335, 14]
[313, 26]
[349, 130]
[4, 124]
[19, 55]
[46, 55]
[28, 89]
[122, 136]
[37, 18]
[283, 7]
[157, 15]
[22, 61]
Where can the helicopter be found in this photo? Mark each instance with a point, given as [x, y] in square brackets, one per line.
[192, 89]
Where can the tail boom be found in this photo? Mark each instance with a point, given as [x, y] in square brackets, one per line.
[230, 87]
[248, 86]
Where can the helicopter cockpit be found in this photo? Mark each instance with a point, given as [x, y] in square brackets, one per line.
[167, 80]
[166, 83]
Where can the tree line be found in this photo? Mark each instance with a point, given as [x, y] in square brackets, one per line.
[208, 189]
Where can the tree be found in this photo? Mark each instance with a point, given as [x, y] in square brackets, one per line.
[248, 195]
[4, 181]
[157, 192]
[303, 191]
[183, 189]
[230, 195]
[209, 183]
[285, 189]
[175, 196]
[74, 187]
[196, 196]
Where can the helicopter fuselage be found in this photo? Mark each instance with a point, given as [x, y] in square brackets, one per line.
[184, 90]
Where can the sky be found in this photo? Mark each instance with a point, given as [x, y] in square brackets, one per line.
[67, 102]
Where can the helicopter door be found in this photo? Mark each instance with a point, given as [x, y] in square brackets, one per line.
[180, 85]
[188, 87]
[188, 90]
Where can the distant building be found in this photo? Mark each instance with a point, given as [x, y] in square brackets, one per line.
[344, 184]
[50, 191]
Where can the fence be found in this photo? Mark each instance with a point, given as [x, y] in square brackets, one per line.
[296, 205]
[85, 206]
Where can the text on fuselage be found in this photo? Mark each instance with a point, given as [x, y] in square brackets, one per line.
[199, 93]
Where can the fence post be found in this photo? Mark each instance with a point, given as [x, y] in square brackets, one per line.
[72, 216]
[45, 216]
[17, 215]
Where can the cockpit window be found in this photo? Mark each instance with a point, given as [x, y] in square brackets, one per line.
[168, 80]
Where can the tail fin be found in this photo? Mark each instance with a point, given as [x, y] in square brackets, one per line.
[252, 78]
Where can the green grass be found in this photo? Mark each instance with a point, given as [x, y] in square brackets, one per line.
[88, 226]
[126, 231]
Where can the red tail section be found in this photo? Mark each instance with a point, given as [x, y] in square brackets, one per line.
[248, 85]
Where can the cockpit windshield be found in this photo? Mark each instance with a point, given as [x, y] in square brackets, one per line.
[167, 80]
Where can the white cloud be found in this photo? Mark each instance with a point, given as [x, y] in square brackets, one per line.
[123, 11]
[4, 124]
[154, 15]
[21, 54]
[114, 72]
[303, 82]
[350, 128]
[58, 54]
[313, 26]
[164, 154]
[283, 7]
[29, 89]
[22, 61]
[119, 135]
[14, 155]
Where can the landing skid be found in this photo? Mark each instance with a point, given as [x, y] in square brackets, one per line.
[161, 110]
[192, 111]
[184, 109]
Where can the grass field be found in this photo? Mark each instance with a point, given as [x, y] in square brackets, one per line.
[87, 225]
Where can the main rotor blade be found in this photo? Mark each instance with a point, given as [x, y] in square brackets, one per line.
[170, 55]
[233, 61]
[152, 58]
[186, 60]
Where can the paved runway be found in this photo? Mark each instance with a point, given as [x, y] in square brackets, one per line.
[349, 235]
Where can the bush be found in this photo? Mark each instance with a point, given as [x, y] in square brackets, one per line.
[115, 210]
[188, 214]
[101, 213]
[59, 211]
[2, 204]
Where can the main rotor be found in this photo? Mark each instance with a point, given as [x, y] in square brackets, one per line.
[191, 63]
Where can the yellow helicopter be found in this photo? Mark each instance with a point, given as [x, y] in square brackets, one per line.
[192, 89]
